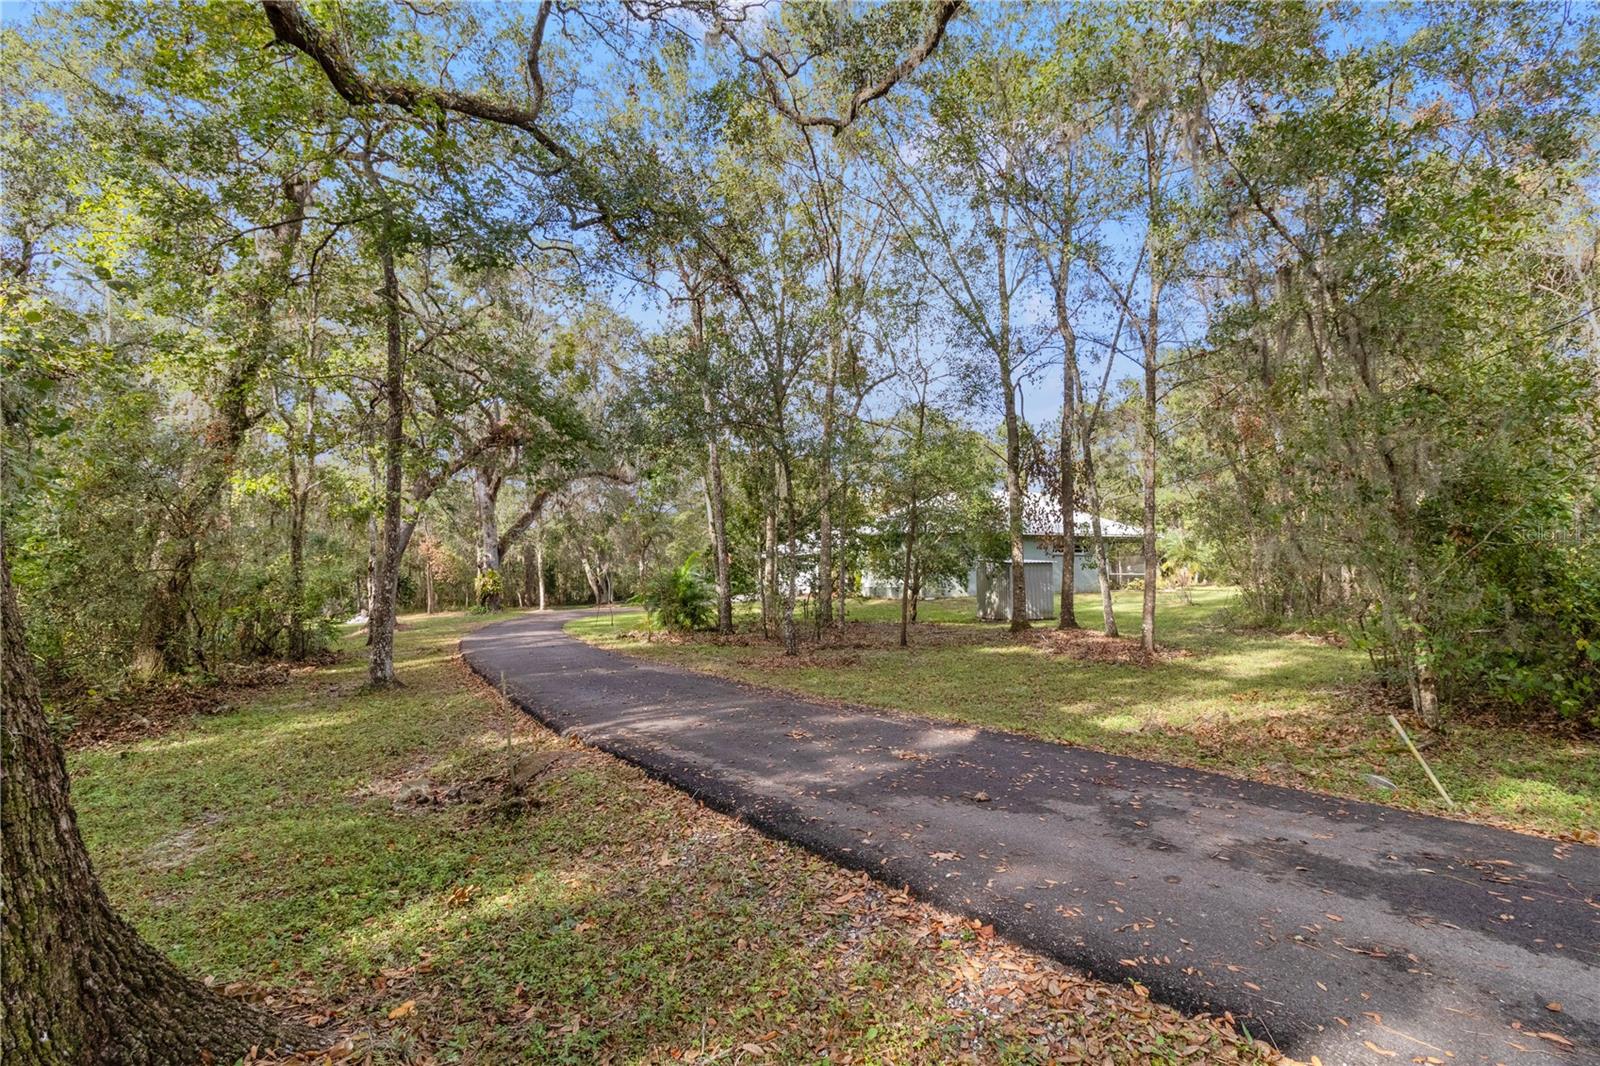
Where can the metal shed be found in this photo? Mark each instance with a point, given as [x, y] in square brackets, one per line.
[994, 590]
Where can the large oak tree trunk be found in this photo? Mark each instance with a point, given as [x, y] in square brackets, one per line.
[80, 985]
[486, 496]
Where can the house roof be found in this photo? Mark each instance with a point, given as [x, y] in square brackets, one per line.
[1041, 517]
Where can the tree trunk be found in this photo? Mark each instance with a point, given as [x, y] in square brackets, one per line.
[769, 574]
[161, 646]
[916, 586]
[538, 560]
[589, 576]
[430, 594]
[716, 514]
[299, 497]
[486, 496]
[1068, 618]
[840, 567]
[907, 604]
[1147, 471]
[1102, 561]
[374, 545]
[823, 584]
[380, 669]
[716, 523]
[1019, 587]
[1019, 573]
[905, 573]
[80, 984]
[1152, 347]
[791, 568]
[300, 484]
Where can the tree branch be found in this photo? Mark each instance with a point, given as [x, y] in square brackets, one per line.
[535, 507]
[943, 12]
[292, 26]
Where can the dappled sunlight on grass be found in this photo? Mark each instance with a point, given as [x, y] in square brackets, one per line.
[1279, 707]
[1531, 798]
[613, 918]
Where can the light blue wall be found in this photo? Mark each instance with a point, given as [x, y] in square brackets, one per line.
[1085, 576]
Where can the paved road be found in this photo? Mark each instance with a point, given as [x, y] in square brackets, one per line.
[1322, 924]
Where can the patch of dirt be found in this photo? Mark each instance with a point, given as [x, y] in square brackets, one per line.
[160, 707]
[392, 786]
[179, 849]
[1326, 640]
[808, 657]
[500, 794]
[1089, 646]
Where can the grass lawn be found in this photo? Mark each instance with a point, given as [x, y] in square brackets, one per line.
[1285, 708]
[337, 853]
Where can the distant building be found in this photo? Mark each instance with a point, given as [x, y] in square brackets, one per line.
[1041, 540]
[1041, 544]
[1042, 550]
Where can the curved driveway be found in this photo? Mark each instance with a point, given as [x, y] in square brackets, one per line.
[1328, 927]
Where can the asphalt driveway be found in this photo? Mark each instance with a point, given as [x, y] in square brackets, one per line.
[1328, 927]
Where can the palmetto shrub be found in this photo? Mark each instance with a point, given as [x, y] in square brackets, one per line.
[679, 598]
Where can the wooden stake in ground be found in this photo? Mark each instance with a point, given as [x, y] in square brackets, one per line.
[1398, 728]
[505, 719]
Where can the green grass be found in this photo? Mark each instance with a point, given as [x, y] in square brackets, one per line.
[615, 921]
[1283, 707]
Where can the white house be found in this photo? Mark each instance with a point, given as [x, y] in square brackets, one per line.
[1041, 542]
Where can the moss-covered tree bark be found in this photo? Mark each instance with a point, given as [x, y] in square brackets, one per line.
[80, 985]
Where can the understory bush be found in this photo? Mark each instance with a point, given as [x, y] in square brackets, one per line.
[679, 598]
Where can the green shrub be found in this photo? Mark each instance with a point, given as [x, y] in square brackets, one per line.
[679, 598]
[488, 586]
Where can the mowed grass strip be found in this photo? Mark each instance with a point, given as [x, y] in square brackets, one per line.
[308, 846]
[1289, 708]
